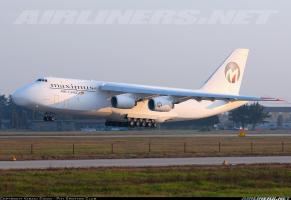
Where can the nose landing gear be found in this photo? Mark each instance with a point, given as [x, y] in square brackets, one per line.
[49, 117]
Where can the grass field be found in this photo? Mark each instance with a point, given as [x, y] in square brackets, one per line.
[26, 148]
[260, 180]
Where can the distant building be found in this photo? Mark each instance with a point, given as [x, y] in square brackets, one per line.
[5, 124]
[280, 118]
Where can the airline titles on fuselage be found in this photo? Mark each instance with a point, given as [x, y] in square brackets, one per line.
[73, 89]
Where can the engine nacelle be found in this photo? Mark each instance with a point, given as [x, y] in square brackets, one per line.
[123, 101]
[161, 104]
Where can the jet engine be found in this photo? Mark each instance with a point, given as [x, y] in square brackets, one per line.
[161, 104]
[123, 101]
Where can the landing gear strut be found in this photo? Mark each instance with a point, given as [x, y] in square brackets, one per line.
[48, 117]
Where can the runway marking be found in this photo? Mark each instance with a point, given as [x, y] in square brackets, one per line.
[144, 162]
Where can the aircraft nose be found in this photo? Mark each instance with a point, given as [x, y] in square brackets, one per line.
[20, 97]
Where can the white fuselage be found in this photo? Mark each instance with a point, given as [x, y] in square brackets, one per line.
[84, 97]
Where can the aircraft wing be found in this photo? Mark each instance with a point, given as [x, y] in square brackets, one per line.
[177, 93]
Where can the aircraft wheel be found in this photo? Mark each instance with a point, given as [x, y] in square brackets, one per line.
[149, 124]
[131, 123]
[137, 123]
[144, 123]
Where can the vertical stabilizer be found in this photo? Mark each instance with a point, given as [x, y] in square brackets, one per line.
[228, 77]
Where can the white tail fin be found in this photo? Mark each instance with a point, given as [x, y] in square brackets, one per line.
[228, 77]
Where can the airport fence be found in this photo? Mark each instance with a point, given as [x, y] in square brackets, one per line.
[59, 150]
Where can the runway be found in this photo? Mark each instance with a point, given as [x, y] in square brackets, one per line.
[138, 136]
[141, 134]
[145, 162]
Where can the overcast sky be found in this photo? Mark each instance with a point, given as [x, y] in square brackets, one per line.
[165, 55]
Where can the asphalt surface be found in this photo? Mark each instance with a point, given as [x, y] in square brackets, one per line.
[145, 162]
[139, 136]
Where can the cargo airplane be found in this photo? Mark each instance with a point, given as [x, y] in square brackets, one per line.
[139, 105]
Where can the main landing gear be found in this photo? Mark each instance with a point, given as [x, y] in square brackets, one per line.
[143, 123]
[49, 117]
[134, 123]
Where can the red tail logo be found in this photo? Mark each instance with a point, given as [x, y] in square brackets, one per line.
[232, 72]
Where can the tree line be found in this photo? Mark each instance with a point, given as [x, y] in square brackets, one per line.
[17, 116]
[252, 114]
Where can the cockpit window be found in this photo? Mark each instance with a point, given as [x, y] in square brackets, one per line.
[41, 80]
